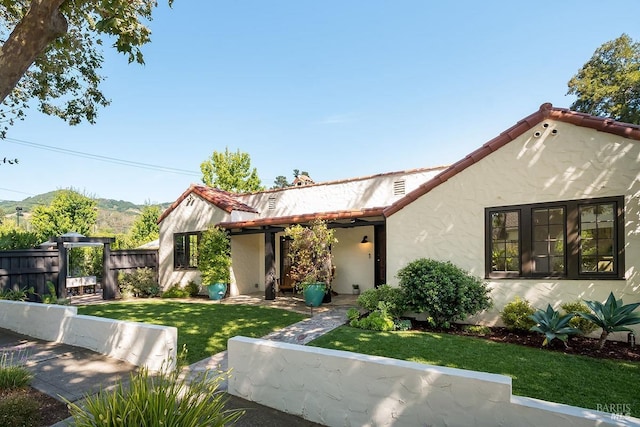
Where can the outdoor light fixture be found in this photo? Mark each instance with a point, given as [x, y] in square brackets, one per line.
[365, 239]
[631, 339]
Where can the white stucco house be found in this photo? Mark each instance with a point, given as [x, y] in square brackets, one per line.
[548, 210]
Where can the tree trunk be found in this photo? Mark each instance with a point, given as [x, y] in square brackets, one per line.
[42, 24]
[603, 339]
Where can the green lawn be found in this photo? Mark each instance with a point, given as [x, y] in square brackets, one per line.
[574, 380]
[203, 327]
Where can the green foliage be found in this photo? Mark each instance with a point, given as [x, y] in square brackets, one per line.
[214, 259]
[310, 253]
[479, 330]
[516, 315]
[16, 293]
[402, 324]
[392, 298]
[231, 172]
[353, 314]
[609, 83]
[69, 211]
[19, 410]
[585, 326]
[166, 399]
[143, 230]
[176, 291]
[13, 373]
[443, 291]
[64, 80]
[139, 283]
[15, 238]
[612, 316]
[553, 325]
[193, 288]
[378, 320]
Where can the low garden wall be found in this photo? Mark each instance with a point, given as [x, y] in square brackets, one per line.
[137, 343]
[338, 388]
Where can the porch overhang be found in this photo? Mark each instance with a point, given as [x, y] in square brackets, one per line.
[336, 219]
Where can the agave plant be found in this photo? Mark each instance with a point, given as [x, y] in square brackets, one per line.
[612, 316]
[553, 325]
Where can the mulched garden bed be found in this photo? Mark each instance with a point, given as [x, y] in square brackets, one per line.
[579, 345]
[51, 410]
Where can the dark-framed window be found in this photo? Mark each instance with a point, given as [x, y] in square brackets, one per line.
[575, 239]
[185, 250]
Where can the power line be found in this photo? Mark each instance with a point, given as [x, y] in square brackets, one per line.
[105, 159]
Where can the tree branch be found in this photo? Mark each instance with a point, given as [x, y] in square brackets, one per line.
[41, 25]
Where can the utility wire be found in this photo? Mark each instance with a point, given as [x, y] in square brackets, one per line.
[105, 159]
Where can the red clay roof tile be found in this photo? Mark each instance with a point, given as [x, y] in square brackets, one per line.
[546, 111]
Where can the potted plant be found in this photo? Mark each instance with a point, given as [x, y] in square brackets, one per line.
[214, 261]
[311, 260]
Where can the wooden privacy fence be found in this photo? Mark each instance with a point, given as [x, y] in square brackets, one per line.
[35, 267]
[29, 267]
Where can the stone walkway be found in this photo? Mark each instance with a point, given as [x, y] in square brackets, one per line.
[301, 333]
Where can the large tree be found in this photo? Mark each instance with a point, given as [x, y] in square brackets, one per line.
[69, 211]
[609, 83]
[231, 172]
[52, 52]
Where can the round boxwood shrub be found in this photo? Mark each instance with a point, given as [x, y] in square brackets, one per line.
[443, 291]
[515, 315]
[584, 325]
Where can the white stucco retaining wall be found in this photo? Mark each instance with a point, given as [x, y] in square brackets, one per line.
[140, 344]
[338, 388]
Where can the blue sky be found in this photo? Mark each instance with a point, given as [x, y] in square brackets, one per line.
[337, 88]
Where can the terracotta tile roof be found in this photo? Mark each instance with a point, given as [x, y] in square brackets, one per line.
[222, 199]
[546, 111]
[297, 219]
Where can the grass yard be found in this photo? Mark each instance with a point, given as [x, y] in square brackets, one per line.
[203, 327]
[574, 380]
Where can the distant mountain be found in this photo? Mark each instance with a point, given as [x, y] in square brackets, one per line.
[114, 216]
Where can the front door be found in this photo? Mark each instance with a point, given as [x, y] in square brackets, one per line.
[286, 283]
[380, 252]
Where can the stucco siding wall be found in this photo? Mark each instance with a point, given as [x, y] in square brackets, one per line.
[247, 264]
[371, 192]
[448, 222]
[188, 216]
[354, 261]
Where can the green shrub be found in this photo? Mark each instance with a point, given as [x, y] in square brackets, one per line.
[353, 314]
[175, 291]
[443, 291]
[553, 325]
[19, 410]
[377, 320]
[585, 326]
[166, 399]
[392, 298]
[479, 330]
[139, 283]
[193, 288]
[515, 315]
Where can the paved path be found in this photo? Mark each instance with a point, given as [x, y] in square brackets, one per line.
[299, 333]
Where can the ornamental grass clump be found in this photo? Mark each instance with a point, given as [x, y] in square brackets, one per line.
[13, 373]
[166, 399]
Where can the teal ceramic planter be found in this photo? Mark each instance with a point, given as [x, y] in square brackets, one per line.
[217, 291]
[314, 293]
